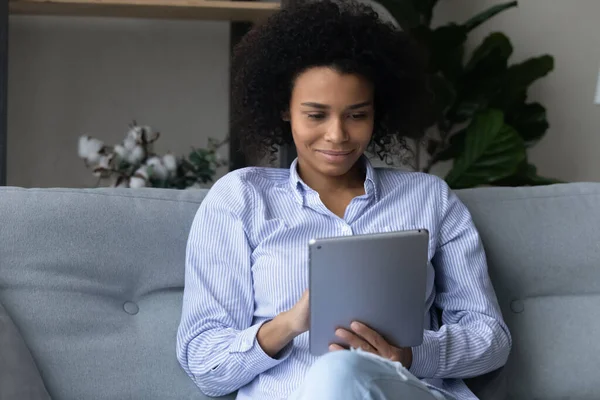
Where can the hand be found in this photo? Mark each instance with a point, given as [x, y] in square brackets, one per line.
[370, 341]
[274, 335]
[299, 316]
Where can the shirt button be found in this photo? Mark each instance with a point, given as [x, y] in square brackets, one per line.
[347, 229]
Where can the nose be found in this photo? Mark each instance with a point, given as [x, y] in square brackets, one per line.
[336, 132]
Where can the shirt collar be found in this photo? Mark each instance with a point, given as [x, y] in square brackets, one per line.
[299, 188]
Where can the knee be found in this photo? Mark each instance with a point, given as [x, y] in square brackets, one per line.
[338, 366]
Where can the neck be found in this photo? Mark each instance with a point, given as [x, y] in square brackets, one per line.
[354, 179]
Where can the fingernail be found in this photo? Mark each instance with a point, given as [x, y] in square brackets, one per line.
[355, 325]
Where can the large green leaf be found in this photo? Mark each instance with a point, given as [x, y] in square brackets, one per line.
[443, 92]
[491, 56]
[493, 151]
[483, 77]
[519, 77]
[456, 146]
[480, 18]
[526, 175]
[447, 50]
[466, 109]
[425, 9]
[474, 95]
[404, 12]
[536, 180]
[524, 74]
[530, 121]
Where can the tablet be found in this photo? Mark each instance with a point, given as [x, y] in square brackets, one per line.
[377, 279]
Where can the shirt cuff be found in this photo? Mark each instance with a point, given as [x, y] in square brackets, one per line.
[250, 355]
[426, 357]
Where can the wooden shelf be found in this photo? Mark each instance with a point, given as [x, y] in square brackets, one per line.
[164, 9]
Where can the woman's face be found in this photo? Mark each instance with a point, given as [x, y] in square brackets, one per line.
[332, 117]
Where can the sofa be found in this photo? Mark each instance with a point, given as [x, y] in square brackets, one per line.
[92, 281]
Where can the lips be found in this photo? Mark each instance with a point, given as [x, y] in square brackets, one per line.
[334, 156]
[335, 153]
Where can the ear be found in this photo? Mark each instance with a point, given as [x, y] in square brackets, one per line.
[285, 115]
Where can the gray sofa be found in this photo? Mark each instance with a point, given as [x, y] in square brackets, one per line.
[93, 281]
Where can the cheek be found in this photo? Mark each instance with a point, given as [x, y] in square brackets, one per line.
[305, 132]
[363, 132]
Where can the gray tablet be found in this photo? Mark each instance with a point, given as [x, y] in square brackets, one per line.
[377, 279]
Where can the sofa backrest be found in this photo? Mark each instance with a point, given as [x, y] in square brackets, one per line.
[543, 248]
[93, 279]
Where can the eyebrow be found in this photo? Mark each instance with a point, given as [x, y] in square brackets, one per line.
[326, 107]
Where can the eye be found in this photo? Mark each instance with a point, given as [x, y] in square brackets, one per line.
[358, 116]
[316, 116]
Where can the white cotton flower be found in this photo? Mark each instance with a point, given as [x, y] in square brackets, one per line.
[95, 145]
[121, 183]
[140, 178]
[103, 165]
[170, 162]
[129, 143]
[104, 162]
[153, 160]
[121, 151]
[89, 149]
[93, 158]
[159, 170]
[147, 130]
[135, 134]
[135, 182]
[142, 173]
[82, 147]
[136, 155]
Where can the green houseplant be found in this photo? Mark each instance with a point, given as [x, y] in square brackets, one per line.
[483, 120]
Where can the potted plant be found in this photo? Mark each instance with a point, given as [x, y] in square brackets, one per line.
[134, 164]
[483, 119]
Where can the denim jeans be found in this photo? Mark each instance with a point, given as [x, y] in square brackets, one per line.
[355, 374]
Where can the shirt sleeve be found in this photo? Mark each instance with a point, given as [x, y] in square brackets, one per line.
[216, 340]
[473, 339]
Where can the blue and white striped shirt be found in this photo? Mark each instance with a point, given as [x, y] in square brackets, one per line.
[247, 261]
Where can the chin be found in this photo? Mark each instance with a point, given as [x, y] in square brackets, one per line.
[335, 170]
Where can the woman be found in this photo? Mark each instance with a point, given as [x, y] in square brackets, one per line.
[336, 81]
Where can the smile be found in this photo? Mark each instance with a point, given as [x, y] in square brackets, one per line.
[335, 156]
[335, 153]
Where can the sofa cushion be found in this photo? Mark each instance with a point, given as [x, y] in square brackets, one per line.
[19, 376]
[94, 279]
[544, 257]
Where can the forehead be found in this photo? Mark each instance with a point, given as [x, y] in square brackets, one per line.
[327, 86]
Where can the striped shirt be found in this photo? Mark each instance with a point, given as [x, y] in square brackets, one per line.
[247, 261]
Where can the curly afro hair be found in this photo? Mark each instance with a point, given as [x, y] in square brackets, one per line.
[347, 36]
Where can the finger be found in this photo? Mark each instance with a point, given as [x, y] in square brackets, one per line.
[354, 340]
[306, 296]
[372, 337]
[335, 347]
